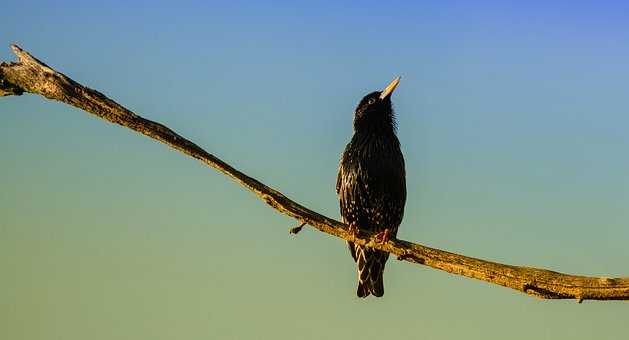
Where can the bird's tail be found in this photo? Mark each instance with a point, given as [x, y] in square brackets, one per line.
[370, 263]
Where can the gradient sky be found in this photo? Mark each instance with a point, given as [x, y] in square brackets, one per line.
[513, 119]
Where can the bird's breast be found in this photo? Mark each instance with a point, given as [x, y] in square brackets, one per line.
[372, 189]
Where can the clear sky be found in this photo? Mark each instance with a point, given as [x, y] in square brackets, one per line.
[513, 119]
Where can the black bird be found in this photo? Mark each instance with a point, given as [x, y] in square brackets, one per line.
[371, 184]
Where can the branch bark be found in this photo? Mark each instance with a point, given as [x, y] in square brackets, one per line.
[30, 75]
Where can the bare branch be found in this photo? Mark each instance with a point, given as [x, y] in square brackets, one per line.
[33, 76]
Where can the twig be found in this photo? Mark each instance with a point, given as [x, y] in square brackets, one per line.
[297, 229]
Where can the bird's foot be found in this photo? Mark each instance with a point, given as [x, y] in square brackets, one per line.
[383, 236]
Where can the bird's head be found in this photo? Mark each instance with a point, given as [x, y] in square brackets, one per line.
[374, 112]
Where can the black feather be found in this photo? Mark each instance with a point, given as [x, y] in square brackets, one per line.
[371, 185]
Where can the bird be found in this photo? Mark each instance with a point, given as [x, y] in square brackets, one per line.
[371, 185]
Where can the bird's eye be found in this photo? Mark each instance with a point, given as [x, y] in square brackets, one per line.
[371, 101]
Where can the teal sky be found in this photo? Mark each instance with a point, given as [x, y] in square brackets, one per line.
[513, 119]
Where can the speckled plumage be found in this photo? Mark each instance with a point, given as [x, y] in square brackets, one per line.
[371, 185]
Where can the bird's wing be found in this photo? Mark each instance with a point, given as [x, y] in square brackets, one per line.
[339, 176]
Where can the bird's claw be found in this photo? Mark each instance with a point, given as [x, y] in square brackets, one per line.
[383, 236]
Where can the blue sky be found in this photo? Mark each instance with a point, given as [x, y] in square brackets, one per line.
[512, 118]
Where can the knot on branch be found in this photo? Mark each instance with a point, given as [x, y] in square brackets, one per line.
[8, 89]
[407, 256]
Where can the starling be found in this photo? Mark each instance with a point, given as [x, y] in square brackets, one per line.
[371, 184]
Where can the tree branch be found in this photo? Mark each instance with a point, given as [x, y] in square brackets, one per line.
[31, 75]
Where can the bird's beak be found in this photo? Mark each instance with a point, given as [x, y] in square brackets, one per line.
[390, 88]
